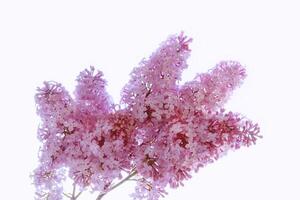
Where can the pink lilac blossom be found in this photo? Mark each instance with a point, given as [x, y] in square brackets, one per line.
[160, 133]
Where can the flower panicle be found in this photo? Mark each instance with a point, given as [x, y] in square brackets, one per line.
[159, 135]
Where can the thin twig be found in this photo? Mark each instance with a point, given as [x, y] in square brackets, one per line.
[133, 179]
[67, 195]
[74, 190]
[78, 195]
[134, 172]
[73, 196]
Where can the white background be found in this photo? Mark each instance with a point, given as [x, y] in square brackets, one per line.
[55, 40]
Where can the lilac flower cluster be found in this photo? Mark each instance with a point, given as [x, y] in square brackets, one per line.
[160, 134]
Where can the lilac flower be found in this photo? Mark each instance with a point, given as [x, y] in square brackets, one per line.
[161, 133]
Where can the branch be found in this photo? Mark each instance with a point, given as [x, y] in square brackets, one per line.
[73, 196]
[117, 185]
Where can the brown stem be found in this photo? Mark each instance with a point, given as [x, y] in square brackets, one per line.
[74, 196]
[73, 193]
[100, 196]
